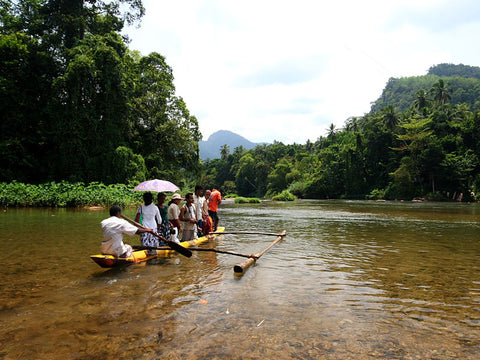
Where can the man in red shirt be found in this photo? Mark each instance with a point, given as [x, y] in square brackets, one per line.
[215, 200]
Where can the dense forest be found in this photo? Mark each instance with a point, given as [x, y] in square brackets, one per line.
[463, 83]
[78, 105]
[430, 150]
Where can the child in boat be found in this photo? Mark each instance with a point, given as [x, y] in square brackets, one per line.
[113, 229]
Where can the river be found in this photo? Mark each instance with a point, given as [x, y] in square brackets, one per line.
[351, 280]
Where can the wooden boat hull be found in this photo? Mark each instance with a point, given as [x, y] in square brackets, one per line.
[109, 261]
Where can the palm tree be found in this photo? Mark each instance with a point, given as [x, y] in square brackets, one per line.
[390, 117]
[421, 102]
[224, 151]
[352, 124]
[440, 92]
[331, 131]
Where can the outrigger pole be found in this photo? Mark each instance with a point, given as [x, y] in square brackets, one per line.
[240, 269]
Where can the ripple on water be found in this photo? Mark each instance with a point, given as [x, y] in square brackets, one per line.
[351, 280]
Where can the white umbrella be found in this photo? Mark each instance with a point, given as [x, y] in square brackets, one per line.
[156, 185]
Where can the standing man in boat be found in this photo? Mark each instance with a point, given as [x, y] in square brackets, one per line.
[113, 229]
[207, 223]
[174, 217]
[214, 201]
[188, 214]
[198, 201]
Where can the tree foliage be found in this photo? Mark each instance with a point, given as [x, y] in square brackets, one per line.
[72, 94]
[462, 82]
[76, 104]
[429, 149]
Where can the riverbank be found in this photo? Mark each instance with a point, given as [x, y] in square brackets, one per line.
[96, 196]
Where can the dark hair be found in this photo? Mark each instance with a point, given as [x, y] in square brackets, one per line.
[160, 195]
[187, 196]
[198, 187]
[114, 210]
[148, 198]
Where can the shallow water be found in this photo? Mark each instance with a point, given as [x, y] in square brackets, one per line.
[352, 280]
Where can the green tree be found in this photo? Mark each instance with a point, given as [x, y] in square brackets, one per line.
[277, 179]
[421, 100]
[83, 94]
[91, 101]
[127, 166]
[26, 75]
[162, 129]
[224, 151]
[415, 140]
[390, 117]
[62, 64]
[245, 176]
[440, 92]
[332, 130]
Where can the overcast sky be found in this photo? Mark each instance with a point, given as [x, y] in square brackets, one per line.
[285, 70]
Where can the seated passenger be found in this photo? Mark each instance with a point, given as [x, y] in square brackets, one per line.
[113, 229]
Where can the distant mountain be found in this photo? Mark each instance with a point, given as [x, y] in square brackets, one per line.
[210, 149]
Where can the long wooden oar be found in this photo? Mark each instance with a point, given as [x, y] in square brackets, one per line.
[239, 269]
[172, 244]
[245, 233]
[196, 249]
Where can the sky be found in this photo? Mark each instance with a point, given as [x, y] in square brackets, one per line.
[286, 70]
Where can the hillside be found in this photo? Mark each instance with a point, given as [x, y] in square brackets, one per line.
[210, 149]
[462, 80]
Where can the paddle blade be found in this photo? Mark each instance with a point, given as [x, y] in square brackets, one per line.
[179, 248]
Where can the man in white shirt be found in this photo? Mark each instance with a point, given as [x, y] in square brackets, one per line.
[198, 201]
[113, 229]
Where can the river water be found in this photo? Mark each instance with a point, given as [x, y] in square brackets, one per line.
[351, 280]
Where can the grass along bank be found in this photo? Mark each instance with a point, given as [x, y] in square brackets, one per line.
[66, 194]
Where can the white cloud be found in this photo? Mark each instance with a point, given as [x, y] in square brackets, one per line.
[278, 70]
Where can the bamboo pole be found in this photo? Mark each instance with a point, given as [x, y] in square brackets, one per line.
[245, 233]
[240, 269]
[224, 252]
[139, 247]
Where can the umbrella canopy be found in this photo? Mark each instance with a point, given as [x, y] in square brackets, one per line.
[156, 185]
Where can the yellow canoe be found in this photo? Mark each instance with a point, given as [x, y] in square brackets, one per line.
[108, 261]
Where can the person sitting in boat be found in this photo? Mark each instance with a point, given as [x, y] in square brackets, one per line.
[188, 214]
[113, 229]
[174, 217]
[149, 216]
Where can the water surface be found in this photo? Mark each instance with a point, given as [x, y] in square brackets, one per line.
[352, 280]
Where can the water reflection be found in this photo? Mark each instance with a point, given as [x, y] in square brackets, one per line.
[360, 280]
